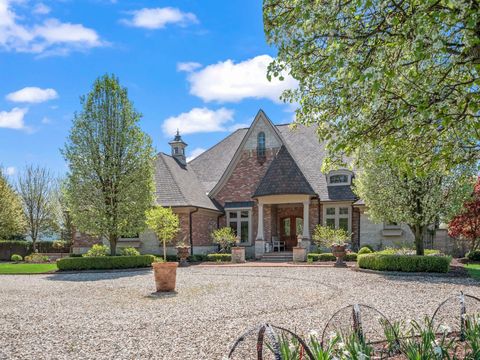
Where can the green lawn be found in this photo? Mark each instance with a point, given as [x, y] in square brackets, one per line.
[23, 268]
[474, 270]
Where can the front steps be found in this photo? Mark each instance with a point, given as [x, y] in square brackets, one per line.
[283, 256]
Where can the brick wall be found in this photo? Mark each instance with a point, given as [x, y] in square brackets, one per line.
[355, 228]
[203, 223]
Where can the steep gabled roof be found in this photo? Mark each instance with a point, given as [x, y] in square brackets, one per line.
[177, 185]
[283, 176]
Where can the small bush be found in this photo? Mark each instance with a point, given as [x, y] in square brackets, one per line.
[16, 258]
[407, 251]
[105, 262]
[365, 250]
[320, 257]
[198, 257]
[129, 251]
[473, 255]
[75, 255]
[351, 256]
[98, 250]
[36, 258]
[219, 257]
[404, 263]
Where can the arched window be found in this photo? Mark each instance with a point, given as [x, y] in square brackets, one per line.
[261, 145]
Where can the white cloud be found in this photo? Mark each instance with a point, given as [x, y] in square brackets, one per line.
[41, 9]
[46, 120]
[232, 82]
[195, 152]
[13, 119]
[32, 94]
[158, 18]
[51, 37]
[198, 120]
[188, 66]
[10, 170]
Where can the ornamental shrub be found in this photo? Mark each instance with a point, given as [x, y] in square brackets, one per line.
[98, 250]
[320, 257]
[351, 256]
[365, 250]
[105, 262]
[219, 257]
[404, 263]
[129, 251]
[225, 238]
[36, 258]
[16, 258]
[473, 255]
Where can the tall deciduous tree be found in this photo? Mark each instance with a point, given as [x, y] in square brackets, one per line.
[466, 225]
[110, 159]
[379, 72]
[36, 187]
[12, 221]
[416, 197]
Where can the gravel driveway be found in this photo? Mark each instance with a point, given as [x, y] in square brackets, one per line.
[114, 315]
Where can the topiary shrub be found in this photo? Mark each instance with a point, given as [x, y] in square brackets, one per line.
[219, 257]
[365, 250]
[351, 256]
[473, 255]
[36, 258]
[105, 262]
[404, 263]
[129, 251]
[16, 258]
[312, 257]
[97, 250]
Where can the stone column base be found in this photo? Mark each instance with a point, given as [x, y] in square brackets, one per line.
[299, 254]
[259, 248]
[238, 254]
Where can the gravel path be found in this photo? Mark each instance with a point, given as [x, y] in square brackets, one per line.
[114, 315]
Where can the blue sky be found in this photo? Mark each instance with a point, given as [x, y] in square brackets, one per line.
[194, 64]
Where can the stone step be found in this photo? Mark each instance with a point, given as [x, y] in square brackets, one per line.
[277, 257]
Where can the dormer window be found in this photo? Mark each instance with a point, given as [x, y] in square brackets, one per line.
[339, 177]
[261, 149]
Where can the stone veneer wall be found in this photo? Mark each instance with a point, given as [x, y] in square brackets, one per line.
[371, 234]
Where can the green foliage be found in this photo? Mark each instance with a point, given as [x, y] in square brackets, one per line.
[12, 220]
[350, 256]
[16, 258]
[472, 336]
[219, 257]
[97, 250]
[129, 251]
[311, 257]
[110, 181]
[406, 251]
[59, 244]
[198, 257]
[365, 250]
[10, 247]
[105, 262]
[327, 236]
[225, 238]
[164, 223]
[400, 75]
[473, 255]
[404, 263]
[36, 258]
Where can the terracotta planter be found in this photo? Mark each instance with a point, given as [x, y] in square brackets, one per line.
[165, 276]
[183, 252]
[339, 252]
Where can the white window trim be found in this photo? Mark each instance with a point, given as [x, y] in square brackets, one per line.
[238, 220]
[388, 226]
[340, 172]
[337, 215]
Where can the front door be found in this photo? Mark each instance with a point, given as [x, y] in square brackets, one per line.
[290, 228]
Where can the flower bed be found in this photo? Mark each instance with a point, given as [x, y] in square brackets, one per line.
[105, 262]
[404, 263]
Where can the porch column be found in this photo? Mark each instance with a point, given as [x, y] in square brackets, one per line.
[306, 224]
[260, 241]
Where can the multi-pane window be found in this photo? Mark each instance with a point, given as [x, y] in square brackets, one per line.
[261, 147]
[338, 217]
[240, 222]
[339, 179]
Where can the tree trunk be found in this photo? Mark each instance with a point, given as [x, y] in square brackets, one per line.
[418, 232]
[113, 245]
[164, 250]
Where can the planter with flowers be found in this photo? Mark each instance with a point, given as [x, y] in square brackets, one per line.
[335, 239]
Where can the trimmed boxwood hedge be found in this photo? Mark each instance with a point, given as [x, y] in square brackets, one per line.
[105, 262]
[321, 257]
[473, 255]
[404, 263]
[219, 257]
[351, 256]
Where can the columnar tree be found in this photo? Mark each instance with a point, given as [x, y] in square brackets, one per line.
[417, 196]
[379, 72]
[12, 220]
[63, 215]
[110, 180]
[466, 225]
[164, 223]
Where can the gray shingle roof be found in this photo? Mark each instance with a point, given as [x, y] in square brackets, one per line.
[341, 192]
[283, 176]
[177, 185]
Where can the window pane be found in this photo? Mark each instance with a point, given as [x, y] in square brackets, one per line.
[331, 211]
[261, 144]
[299, 226]
[338, 179]
[330, 223]
[244, 214]
[343, 211]
[233, 225]
[343, 223]
[233, 215]
[286, 226]
[244, 232]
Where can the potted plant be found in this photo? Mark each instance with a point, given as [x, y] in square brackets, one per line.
[183, 251]
[165, 224]
[226, 238]
[334, 239]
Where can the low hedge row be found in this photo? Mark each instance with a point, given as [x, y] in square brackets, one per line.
[404, 263]
[312, 257]
[219, 257]
[473, 255]
[105, 262]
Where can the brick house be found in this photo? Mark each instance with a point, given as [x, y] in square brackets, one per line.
[265, 182]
